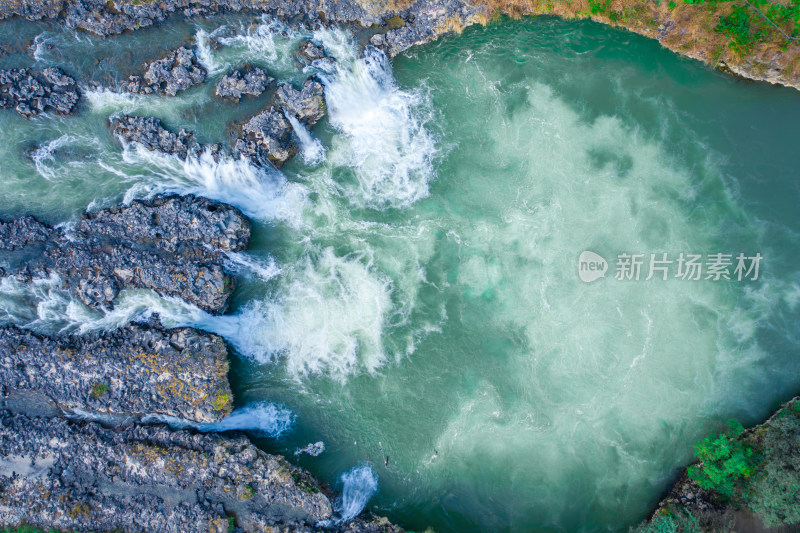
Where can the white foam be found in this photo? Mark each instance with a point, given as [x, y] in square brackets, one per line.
[271, 41]
[261, 417]
[205, 55]
[264, 418]
[43, 156]
[261, 193]
[328, 318]
[384, 138]
[359, 484]
[40, 46]
[311, 149]
[109, 102]
[243, 264]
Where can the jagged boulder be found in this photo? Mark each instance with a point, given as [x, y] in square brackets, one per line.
[250, 80]
[307, 104]
[176, 72]
[151, 134]
[81, 476]
[267, 137]
[31, 92]
[309, 52]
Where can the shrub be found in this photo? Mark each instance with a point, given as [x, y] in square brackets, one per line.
[98, 390]
[724, 460]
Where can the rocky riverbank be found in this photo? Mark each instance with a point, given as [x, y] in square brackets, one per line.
[757, 42]
[763, 491]
[126, 372]
[76, 450]
[172, 245]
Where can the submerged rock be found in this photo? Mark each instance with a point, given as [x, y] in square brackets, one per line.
[176, 72]
[306, 105]
[31, 92]
[172, 245]
[250, 80]
[81, 476]
[128, 371]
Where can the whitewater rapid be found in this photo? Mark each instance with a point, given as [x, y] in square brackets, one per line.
[410, 297]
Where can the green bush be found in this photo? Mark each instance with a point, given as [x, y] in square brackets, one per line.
[724, 460]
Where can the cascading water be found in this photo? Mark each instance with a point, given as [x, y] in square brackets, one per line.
[411, 295]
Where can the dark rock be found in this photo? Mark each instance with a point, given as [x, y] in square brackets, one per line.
[149, 133]
[178, 71]
[267, 137]
[80, 476]
[132, 370]
[309, 52]
[169, 244]
[249, 81]
[307, 104]
[32, 92]
[23, 232]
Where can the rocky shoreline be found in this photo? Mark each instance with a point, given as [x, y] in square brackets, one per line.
[684, 27]
[766, 500]
[76, 450]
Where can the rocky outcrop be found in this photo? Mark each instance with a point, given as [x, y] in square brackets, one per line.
[82, 476]
[31, 92]
[176, 72]
[306, 105]
[309, 52]
[250, 80]
[267, 138]
[129, 371]
[172, 245]
[149, 133]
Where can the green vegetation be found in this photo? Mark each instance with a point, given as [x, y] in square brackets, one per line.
[670, 521]
[755, 21]
[303, 484]
[221, 402]
[99, 389]
[725, 459]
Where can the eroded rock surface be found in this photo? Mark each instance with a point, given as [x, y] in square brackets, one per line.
[151, 134]
[82, 476]
[176, 72]
[129, 371]
[307, 105]
[267, 137]
[250, 80]
[31, 92]
[169, 244]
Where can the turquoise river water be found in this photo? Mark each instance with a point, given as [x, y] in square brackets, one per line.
[411, 297]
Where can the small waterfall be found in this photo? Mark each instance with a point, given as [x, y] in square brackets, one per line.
[311, 149]
[384, 135]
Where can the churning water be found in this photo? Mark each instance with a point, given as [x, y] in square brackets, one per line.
[411, 296]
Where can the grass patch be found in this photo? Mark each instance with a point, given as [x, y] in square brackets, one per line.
[98, 390]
